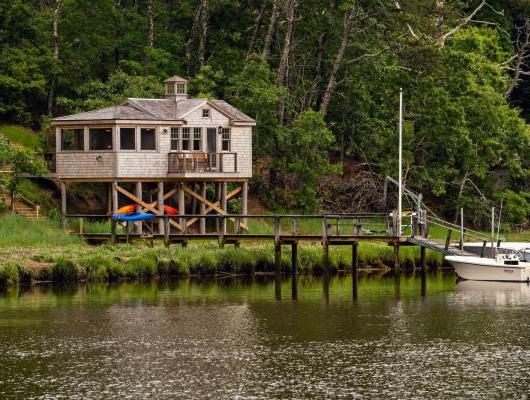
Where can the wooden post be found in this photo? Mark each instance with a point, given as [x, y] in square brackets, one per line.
[166, 231]
[277, 248]
[218, 200]
[127, 232]
[63, 205]
[114, 198]
[113, 230]
[81, 226]
[202, 210]
[294, 258]
[181, 205]
[160, 206]
[396, 257]
[325, 246]
[108, 187]
[224, 204]
[423, 257]
[461, 229]
[277, 259]
[138, 193]
[354, 257]
[448, 239]
[244, 202]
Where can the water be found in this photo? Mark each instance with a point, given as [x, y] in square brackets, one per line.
[400, 338]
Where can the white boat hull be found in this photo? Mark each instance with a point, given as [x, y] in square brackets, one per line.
[487, 269]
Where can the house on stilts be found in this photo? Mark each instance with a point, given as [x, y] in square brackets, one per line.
[156, 152]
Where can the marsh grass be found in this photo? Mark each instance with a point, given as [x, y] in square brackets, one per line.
[40, 251]
[18, 231]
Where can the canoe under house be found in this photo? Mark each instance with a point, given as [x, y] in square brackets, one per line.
[156, 152]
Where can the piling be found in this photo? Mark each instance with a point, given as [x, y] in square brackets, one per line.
[277, 259]
[423, 258]
[294, 258]
[354, 257]
[396, 257]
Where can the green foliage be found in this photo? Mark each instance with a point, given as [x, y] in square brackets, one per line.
[461, 130]
[17, 231]
[9, 274]
[64, 270]
[96, 94]
[20, 136]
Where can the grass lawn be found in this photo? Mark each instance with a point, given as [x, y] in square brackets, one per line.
[20, 136]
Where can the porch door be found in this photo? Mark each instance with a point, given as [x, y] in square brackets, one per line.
[211, 135]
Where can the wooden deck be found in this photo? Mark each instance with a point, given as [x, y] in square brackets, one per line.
[327, 230]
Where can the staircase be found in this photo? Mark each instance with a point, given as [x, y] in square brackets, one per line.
[22, 206]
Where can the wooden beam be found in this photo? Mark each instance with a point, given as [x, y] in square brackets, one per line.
[233, 193]
[144, 204]
[211, 206]
[166, 196]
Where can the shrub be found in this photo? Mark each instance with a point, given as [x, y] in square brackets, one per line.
[65, 271]
[9, 274]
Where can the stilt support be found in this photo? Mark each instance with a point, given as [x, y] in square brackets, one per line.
[354, 257]
[396, 257]
[294, 258]
[423, 257]
[277, 259]
[202, 210]
[63, 205]
[160, 206]
[138, 193]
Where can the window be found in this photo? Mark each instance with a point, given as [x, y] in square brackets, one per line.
[175, 139]
[205, 113]
[170, 88]
[225, 139]
[148, 138]
[197, 139]
[181, 88]
[127, 138]
[72, 139]
[185, 139]
[100, 138]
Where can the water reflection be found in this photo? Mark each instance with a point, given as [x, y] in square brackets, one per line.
[347, 336]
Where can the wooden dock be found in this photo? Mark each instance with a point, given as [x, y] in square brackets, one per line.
[327, 230]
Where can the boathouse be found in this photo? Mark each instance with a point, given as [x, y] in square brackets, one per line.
[179, 148]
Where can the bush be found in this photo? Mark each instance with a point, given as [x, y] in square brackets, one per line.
[141, 267]
[9, 274]
[65, 271]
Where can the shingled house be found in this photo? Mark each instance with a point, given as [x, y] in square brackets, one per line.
[180, 144]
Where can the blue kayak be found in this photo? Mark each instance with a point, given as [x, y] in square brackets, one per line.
[134, 217]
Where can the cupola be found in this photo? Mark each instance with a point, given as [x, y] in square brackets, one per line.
[176, 88]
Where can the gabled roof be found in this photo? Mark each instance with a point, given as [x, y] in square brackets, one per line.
[156, 110]
[175, 78]
[108, 113]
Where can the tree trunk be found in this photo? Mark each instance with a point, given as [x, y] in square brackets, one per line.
[150, 23]
[283, 68]
[332, 80]
[270, 30]
[257, 28]
[55, 45]
[204, 31]
[194, 27]
[460, 192]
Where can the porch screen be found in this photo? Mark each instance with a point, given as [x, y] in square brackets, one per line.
[72, 139]
[127, 138]
[100, 138]
[148, 138]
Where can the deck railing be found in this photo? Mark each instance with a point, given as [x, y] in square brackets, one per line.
[179, 162]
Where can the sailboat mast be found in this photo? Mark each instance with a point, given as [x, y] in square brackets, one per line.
[400, 162]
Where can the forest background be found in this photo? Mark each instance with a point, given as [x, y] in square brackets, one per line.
[320, 77]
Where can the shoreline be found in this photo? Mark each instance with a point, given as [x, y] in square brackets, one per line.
[132, 262]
